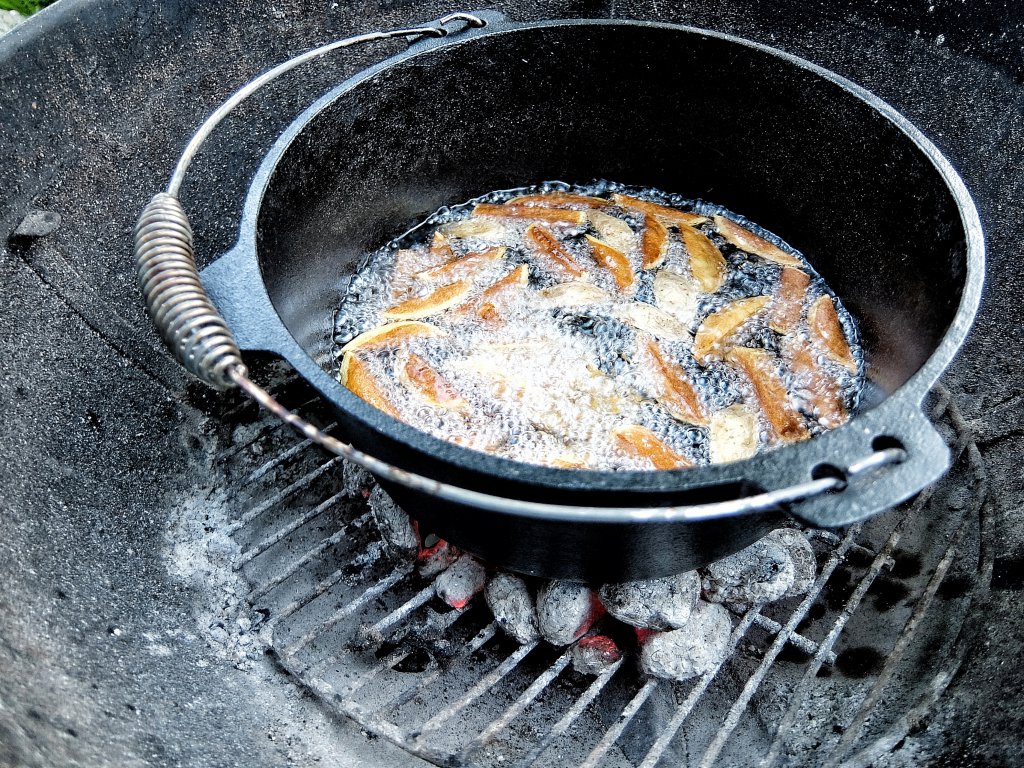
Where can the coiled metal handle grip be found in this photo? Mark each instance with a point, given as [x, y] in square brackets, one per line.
[175, 297]
[168, 275]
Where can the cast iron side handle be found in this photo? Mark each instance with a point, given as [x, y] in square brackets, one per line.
[200, 338]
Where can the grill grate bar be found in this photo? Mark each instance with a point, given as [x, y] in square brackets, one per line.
[281, 495]
[679, 717]
[795, 638]
[446, 738]
[518, 706]
[613, 733]
[375, 591]
[403, 610]
[908, 633]
[661, 744]
[754, 681]
[307, 558]
[571, 716]
[290, 528]
[482, 638]
[282, 457]
[882, 559]
[395, 657]
[271, 426]
[378, 630]
[483, 685]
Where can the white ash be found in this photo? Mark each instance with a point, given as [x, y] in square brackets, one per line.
[565, 611]
[761, 573]
[593, 654]
[655, 603]
[510, 601]
[805, 564]
[394, 525]
[201, 557]
[459, 583]
[691, 651]
[355, 480]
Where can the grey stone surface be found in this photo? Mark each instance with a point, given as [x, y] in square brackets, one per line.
[9, 20]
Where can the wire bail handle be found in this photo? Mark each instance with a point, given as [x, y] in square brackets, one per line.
[202, 341]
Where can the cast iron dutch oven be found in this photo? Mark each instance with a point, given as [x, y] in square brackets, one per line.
[477, 103]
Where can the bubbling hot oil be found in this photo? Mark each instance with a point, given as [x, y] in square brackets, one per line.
[562, 367]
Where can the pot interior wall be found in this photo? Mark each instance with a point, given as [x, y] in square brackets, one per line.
[676, 110]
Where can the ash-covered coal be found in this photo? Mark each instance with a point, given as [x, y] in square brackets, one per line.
[661, 604]
[680, 635]
[805, 564]
[355, 481]
[593, 654]
[566, 610]
[435, 556]
[395, 526]
[510, 601]
[761, 573]
[691, 651]
[460, 582]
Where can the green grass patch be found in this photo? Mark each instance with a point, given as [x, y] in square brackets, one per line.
[24, 7]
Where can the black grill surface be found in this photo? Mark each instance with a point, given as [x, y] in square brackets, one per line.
[101, 430]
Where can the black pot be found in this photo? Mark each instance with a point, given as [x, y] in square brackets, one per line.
[833, 170]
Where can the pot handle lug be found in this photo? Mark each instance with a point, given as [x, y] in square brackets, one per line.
[917, 456]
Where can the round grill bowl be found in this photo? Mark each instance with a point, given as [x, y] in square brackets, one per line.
[830, 168]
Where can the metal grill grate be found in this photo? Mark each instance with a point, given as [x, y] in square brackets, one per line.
[838, 675]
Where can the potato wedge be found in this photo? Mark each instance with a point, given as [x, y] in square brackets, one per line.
[559, 200]
[827, 331]
[759, 367]
[614, 261]
[747, 241]
[485, 229]
[719, 326]
[568, 461]
[356, 375]
[675, 392]
[649, 319]
[393, 335]
[423, 306]
[535, 212]
[732, 434]
[706, 262]
[613, 230]
[462, 267]
[670, 216]
[576, 294]
[556, 257]
[677, 295]
[440, 248]
[418, 375]
[640, 442]
[819, 390]
[409, 261]
[788, 304]
[653, 242]
[489, 304]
